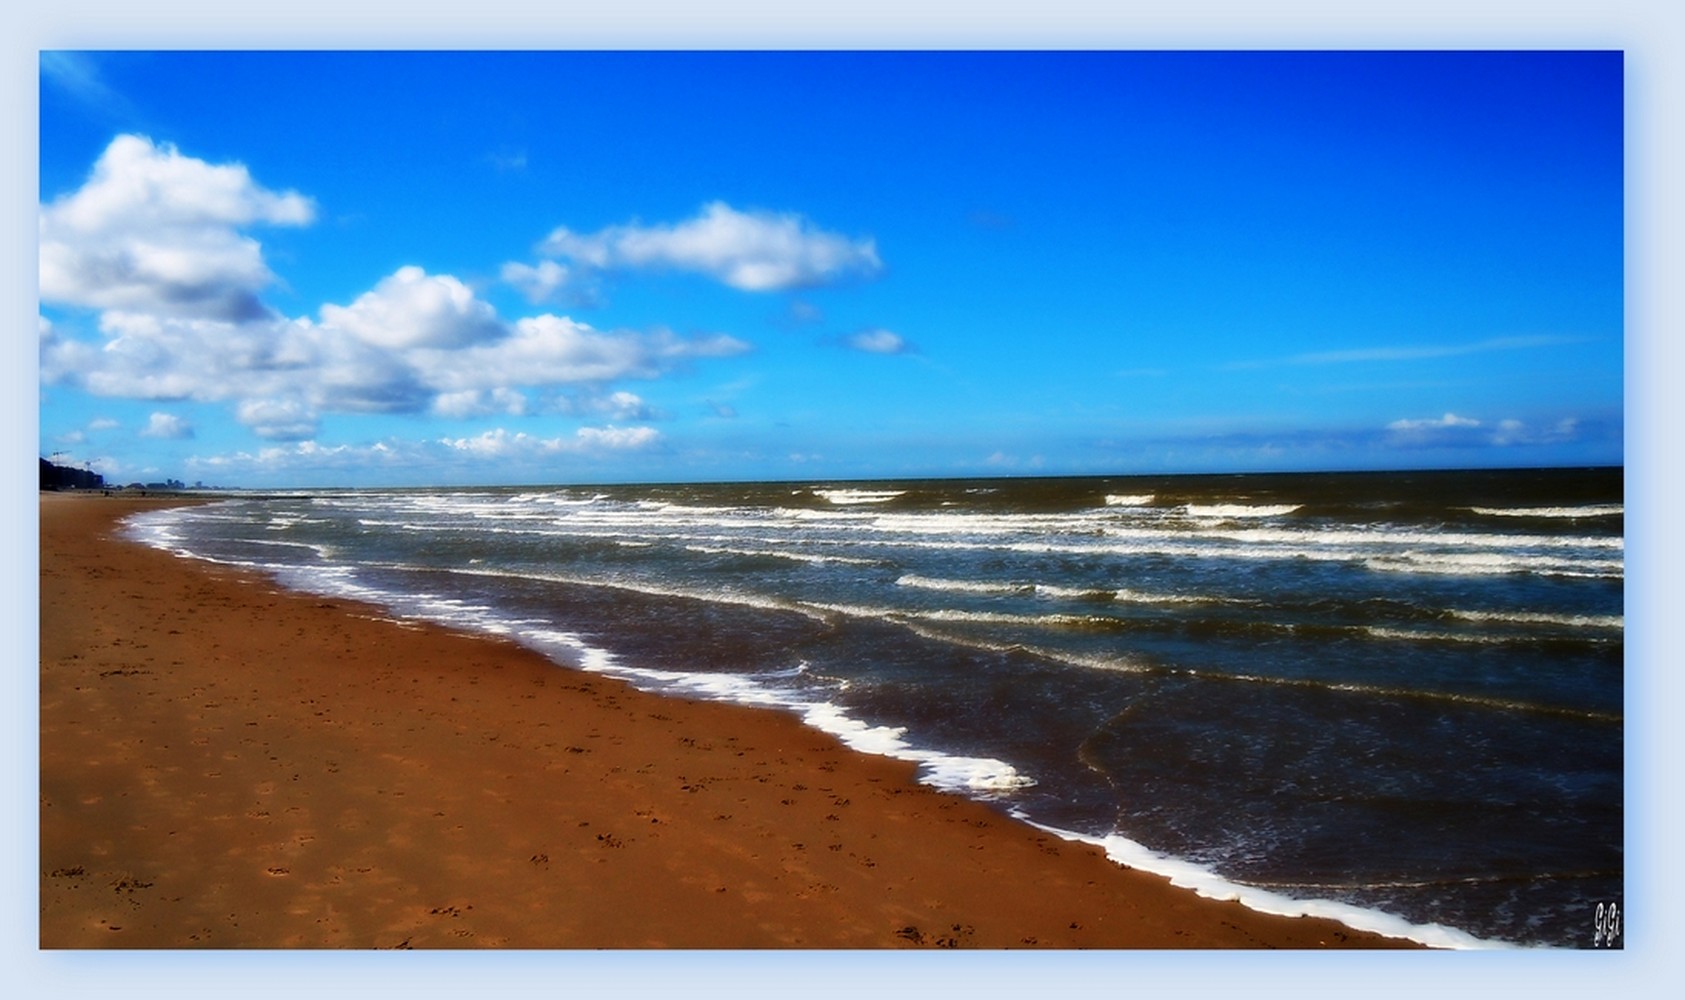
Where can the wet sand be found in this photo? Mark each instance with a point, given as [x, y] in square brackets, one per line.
[226, 765]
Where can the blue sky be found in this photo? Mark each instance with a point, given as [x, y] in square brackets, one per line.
[340, 268]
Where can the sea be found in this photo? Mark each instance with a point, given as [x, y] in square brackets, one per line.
[1391, 698]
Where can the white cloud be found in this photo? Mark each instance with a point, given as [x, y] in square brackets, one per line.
[617, 405]
[167, 425]
[415, 342]
[628, 406]
[617, 438]
[149, 357]
[412, 309]
[1452, 430]
[278, 419]
[281, 462]
[1510, 432]
[879, 342]
[501, 443]
[432, 461]
[750, 251]
[1448, 421]
[539, 283]
[550, 350]
[154, 240]
[480, 402]
[158, 232]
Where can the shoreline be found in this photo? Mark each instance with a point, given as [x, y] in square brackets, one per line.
[226, 764]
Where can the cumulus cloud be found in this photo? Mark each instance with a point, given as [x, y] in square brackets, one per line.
[167, 425]
[156, 242]
[414, 343]
[480, 402]
[155, 231]
[539, 283]
[753, 251]
[278, 419]
[617, 405]
[549, 350]
[878, 342]
[411, 308]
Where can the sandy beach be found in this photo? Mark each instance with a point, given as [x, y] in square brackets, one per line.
[228, 765]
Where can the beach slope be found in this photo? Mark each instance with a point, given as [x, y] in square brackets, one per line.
[228, 765]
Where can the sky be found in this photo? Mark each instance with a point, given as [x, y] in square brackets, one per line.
[297, 268]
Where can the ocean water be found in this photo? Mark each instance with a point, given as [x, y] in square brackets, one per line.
[1393, 698]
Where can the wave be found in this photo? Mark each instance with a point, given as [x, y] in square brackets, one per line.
[981, 777]
[793, 556]
[1234, 510]
[1050, 590]
[1540, 618]
[762, 531]
[963, 586]
[1588, 510]
[904, 615]
[1415, 635]
[1489, 564]
[1129, 499]
[841, 496]
[1205, 882]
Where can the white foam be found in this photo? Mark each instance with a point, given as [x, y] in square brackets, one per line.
[1217, 533]
[981, 777]
[790, 554]
[961, 586]
[1048, 590]
[1493, 563]
[847, 497]
[978, 776]
[1539, 618]
[1129, 499]
[905, 615]
[1235, 510]
[1588, 510]
[1410, 635]
[1204, 882]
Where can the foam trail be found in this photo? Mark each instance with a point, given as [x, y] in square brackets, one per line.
[1187, 875]
[1226, 510]
[839, 496]
[1589, 510]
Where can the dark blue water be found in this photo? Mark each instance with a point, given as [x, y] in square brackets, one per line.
[1397, 692]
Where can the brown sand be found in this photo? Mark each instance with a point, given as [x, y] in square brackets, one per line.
[227, 765]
